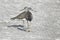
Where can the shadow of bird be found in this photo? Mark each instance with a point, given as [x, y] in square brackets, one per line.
[16, 26]
[19, 27]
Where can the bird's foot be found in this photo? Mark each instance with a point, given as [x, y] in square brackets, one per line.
[28, 30]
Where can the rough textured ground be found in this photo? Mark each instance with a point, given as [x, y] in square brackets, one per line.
[45, 24]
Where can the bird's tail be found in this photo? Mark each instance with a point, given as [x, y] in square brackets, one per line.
[13, 18]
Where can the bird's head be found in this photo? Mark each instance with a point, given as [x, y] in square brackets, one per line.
[27, 9]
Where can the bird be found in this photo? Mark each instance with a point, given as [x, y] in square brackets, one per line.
[25, 15]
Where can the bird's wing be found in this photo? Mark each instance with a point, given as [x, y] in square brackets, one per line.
[21, 14]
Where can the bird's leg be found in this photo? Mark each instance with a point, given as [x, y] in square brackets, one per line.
[28, 24]
[24, 28]
[23, 22]
[28, 27]
[24, 25]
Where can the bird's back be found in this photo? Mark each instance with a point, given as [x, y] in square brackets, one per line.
[20, 16]
[27, 15]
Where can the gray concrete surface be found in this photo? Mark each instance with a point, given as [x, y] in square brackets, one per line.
[45, 24]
